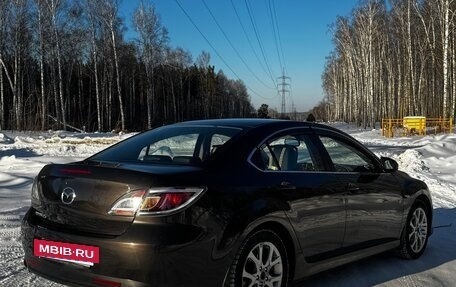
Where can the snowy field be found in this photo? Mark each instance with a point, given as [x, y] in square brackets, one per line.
[431, 158]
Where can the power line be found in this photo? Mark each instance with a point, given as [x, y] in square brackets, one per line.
[281, 57]
[248, 39]
[213, 48]
[252, 20]
[278, 35]
[275, 34]
[232, 46]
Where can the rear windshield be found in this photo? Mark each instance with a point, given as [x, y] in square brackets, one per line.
[188, 145]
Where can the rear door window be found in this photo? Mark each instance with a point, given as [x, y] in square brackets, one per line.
[287, 153]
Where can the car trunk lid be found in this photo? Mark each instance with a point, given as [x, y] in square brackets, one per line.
[78, 197]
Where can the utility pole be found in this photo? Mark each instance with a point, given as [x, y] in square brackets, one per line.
[293, 111]
[283, 90]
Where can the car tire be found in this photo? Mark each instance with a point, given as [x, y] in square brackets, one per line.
[261, 261]
[416, 232]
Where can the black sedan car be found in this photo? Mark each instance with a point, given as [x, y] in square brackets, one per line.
[230, 202]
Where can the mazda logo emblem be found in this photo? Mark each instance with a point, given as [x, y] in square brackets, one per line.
[68, 195]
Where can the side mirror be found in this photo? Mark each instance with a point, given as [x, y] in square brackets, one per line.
[389, 164]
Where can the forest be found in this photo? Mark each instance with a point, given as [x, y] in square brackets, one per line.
[66, 64]
[391, 59]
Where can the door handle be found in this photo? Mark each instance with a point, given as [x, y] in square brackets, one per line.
[351, 187]
[285, 185]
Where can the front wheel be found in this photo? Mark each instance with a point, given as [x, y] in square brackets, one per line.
[261, 262]
[416, 232]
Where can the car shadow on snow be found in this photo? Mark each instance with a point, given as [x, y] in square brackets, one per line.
[384, 269]
[10, 184]
[18, 153]
[401, 148]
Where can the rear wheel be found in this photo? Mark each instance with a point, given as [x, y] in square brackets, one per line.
[416, 232]
[261, 262]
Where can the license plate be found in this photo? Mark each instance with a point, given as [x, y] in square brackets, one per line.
[76, 253]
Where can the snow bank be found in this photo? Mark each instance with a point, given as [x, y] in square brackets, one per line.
[5, 139]
[61, 144]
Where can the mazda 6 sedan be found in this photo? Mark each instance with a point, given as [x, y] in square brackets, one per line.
[233, 202]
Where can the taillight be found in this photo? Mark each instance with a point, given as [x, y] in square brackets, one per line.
[128, 204]
[35, 194]
[156, 201]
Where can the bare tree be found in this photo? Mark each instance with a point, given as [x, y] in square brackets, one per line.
[93, 25]
[393, 63]
[203, 60]
[67, 62]
[3, 23]
[41, 32]
[178, 60]
[108, 10]
[54, 8]
[153, 38]
[19, 16]
[443, 8]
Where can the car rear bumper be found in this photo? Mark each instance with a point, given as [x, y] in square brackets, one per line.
[146, 255]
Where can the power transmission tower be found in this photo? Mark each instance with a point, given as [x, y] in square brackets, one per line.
[283, 90]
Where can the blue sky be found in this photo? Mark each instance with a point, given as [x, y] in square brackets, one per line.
[304, 31]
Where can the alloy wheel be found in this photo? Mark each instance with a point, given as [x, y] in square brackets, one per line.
[263, 266]
[418, 230]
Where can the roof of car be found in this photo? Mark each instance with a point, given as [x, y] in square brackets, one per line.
[242, 123]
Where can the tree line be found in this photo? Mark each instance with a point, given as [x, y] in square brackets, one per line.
[392, 59]
[66, 63]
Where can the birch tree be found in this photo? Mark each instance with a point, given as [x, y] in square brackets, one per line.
[153, 38]
[66, 64]
[109, 15]
[93, 25]
[393, 63]
[54, 9]
[443, 8]
[17, 44]
[3, 23]
[41, 39]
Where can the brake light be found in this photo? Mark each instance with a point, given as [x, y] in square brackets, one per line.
[106, 283]
[155, 201]
[75, 171]
[165, 201]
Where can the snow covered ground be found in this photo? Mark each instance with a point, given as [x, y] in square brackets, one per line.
[430, 158]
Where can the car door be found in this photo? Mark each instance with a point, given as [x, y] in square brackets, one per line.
[315, 197]
[372, 197]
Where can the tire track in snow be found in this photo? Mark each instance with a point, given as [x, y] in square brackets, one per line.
[23, 278]
[12, 271]
[10, 230]
[10, 256]
[9, 235]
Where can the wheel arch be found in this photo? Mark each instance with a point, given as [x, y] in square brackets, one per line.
[422, 195]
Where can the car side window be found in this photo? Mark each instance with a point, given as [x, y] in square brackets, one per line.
[167, 149]
[286, 153]
[346, 158]
[217, 141]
